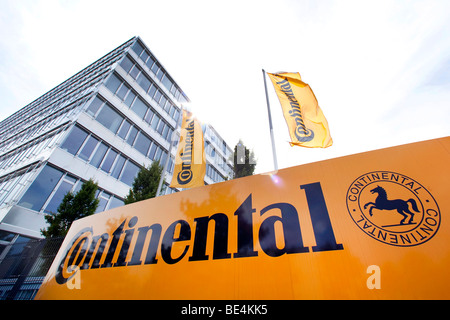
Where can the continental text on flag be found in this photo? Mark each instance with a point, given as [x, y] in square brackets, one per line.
[302, 134]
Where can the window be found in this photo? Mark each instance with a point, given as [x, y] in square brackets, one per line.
[155, 68]
[132, 135]
[124, 129]
[172, 110]
[122, 92]
[160, 74]
[177, 95]
[171, 165]
[65, 186]
[155, 122]
[137, 48]
[134, 72]
[130, 98]
[144, 56]
[74, 140]
[157, 96]
[162, 102]
[149, 116]
[6, 236]
[152, 152]
[152, 91]
[130, 171]
[113, 83]
[169, 135]
[126, 64]
[109, 118]
[16, 249]
[176, 115]
[158, 154]
[142, 143]
[150, 62]
[165, 132]
[139, 107]
[94, 106]
[41, 188]
[160, 127]
[88, 148]
[109, 160]
[167, 82]
[103, 201]
[173, 90]
[99, 154]
[115, 202]
[143, 81]
[118, 167]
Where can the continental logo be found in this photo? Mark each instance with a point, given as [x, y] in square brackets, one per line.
[301, 132]
[393, 208]
[185, 175]
[91, 250]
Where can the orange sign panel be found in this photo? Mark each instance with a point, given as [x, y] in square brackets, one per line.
[373, 225]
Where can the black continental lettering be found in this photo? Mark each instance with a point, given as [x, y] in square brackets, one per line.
[320, 218]
[101, 242]
[220, 250]
[152, 247]
[126, 243]
[293, 242]
[113, 246]
[245, 230]
[169, 239]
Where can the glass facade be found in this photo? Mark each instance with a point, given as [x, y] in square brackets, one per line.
[51, 185]
[99, 154]
[105, 122]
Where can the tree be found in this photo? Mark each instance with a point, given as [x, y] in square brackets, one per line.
[145, 184]
[244, 161]
[72, 207]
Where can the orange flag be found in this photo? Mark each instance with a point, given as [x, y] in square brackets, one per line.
[190, 160]
[307, 125]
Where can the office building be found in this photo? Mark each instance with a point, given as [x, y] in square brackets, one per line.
[104, 123]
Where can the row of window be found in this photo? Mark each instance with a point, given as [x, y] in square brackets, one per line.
[149, 87]
[11, 185]
[51, 185]
[214, 174]
[138, 106]
[100, 155]
[217, 158]
[119, 125]
[69, 89]
[217, 140]
[30, 150]
[158, 71]
[36, 129]
[97, 153]
[11, 247]
[57, 104]
[15, 241]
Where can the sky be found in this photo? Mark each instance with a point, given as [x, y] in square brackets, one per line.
[379, 69]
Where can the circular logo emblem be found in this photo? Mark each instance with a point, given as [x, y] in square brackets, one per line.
[393, 208]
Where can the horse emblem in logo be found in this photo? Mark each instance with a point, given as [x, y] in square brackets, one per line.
[393, 208]
[382, 203]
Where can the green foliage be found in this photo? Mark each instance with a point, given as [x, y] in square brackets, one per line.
[72, 207]
[145, 184]
[244, 161]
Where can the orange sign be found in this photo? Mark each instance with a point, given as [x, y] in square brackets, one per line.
[367, 226]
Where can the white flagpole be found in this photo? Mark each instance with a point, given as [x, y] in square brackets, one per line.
[172, 140]
[274, 152]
